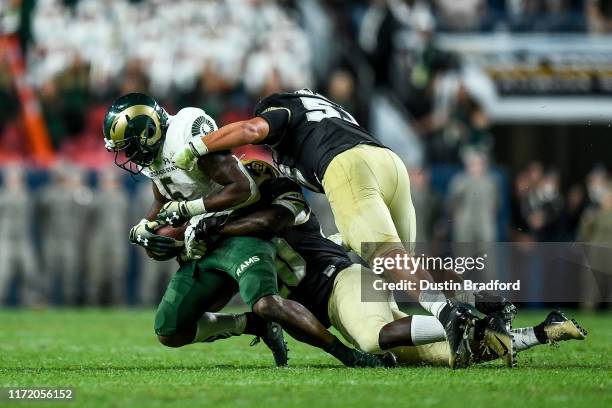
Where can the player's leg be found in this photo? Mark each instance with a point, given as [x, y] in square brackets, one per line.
[556, 327]
[251, 262]
[182, 316]
[375, 324]
[185, 313]
[360, 184]
[430, 349]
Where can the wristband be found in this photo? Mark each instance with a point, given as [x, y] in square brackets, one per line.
[198, 147]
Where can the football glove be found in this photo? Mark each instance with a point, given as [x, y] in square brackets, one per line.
[143, 234]
[194, 248]
[208, 227]
[159, 256]
[177, 213]
[202, 232]
[188, 156]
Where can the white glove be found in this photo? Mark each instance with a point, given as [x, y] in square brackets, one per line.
[194, 247]
[187, 157]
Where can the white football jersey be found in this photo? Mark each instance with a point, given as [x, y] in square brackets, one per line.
[172, 182]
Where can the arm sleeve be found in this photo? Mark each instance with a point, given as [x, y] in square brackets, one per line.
[278, 119]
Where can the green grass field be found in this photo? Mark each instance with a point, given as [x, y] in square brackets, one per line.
[111, 359]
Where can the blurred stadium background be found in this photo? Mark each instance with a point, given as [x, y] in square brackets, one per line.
[501, 110]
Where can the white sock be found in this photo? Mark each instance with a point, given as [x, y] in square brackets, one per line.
[525, 338]
[425, 330]
[215, 326]
[432, 301]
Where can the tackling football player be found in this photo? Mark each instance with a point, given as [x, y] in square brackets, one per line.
[319, 274]
[144, 138]
[317, 143]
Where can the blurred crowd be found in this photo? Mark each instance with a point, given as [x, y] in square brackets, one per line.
[226, 54]
[71, 220]
[63, 238]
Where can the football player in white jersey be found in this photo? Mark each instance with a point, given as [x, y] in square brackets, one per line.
[144, 139]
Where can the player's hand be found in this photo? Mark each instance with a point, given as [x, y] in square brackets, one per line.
[194, 248]
[164, 256]
[209, 226]
[143, 234]
[187, 157]
[177, 213]
[174, 213]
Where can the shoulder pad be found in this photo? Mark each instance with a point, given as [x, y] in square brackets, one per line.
[198, 123]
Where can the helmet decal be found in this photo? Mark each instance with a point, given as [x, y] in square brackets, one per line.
[119, 127]
[133, 128]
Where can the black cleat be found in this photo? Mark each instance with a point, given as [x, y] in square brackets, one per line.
[363, 359]
[497, 339]
[458, 320]
[558, 327]
[274, 339]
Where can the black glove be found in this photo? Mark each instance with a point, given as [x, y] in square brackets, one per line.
[171, 254]
[208, 228]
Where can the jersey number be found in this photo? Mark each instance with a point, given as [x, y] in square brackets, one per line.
[167, 183]
[321, 108]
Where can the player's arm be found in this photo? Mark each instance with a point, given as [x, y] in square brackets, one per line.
[143, 233]
[286, 209]
[270, 222]
[158, 202]
[239, 190]
[268, 127]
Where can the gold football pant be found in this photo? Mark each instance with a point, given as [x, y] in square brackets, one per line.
[360, 322]
[369, 192]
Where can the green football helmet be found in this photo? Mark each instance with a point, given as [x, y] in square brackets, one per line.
[134, 127]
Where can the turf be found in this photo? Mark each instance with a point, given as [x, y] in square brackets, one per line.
[111, 359]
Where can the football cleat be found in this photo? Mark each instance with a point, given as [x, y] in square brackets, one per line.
[559, 327]
[274, 339]
[490, 303]
[363, 359]
[497, 338]
[458, 322]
